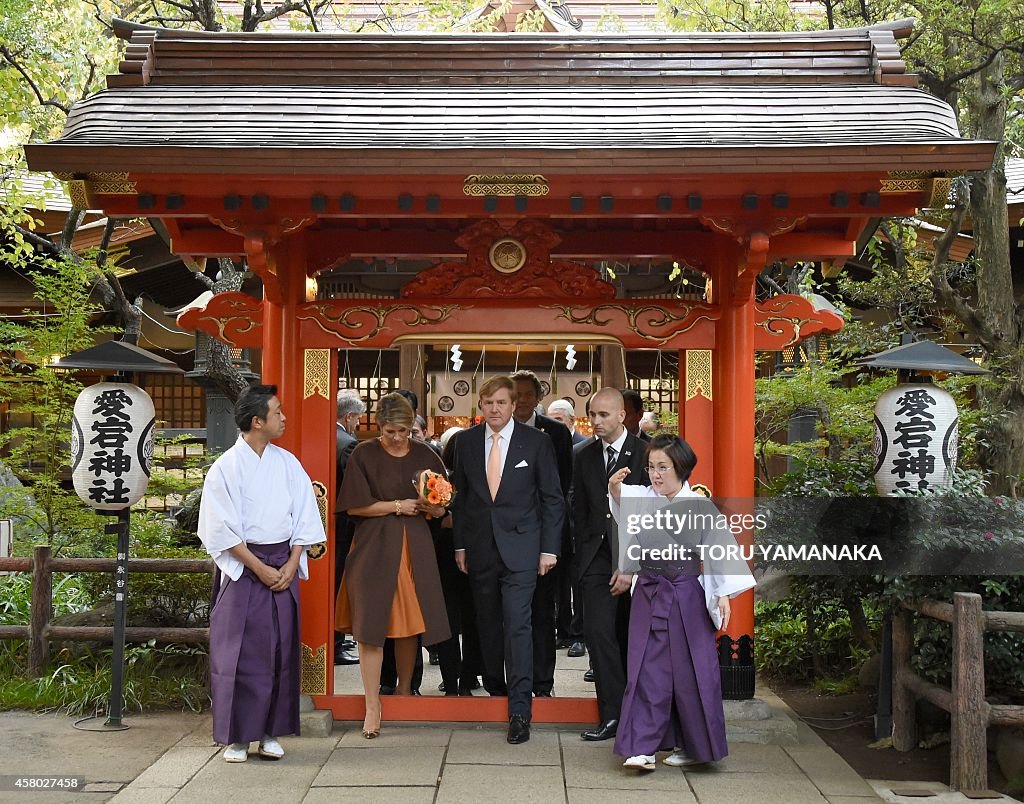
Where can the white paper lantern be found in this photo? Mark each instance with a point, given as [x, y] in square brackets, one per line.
[915, 443]
[112, 444]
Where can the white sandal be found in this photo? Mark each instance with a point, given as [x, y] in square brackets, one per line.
[641, 762]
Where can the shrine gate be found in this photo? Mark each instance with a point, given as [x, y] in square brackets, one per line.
[512, 162]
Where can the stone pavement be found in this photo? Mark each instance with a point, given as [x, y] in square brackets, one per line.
[170, 757]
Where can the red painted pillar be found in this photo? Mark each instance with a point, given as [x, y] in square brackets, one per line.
[305, 387]
[733, 383]
[696, 413]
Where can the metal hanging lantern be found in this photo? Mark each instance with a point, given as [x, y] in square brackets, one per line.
[917, 423]
[112, 445]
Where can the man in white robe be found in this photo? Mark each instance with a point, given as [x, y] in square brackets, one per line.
[258, 514]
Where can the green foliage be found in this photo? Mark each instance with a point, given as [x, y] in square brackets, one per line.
[838, 461]
[173, 676]
[158, 599]
[788, 649]
[1004, 671]
[52, 55]
[837, 686]
[169, 676]
[43, 399]
[728, 15]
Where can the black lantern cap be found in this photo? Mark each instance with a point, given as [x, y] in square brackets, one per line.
[115, 356]
[922, 356]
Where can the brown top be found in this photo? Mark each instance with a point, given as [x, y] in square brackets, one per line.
[371, 569]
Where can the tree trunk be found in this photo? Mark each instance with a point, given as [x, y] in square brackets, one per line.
[858, 622]
[1001, 451]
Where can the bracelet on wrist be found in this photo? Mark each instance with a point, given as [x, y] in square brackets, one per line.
[398, 507]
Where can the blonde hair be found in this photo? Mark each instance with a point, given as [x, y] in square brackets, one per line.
[395, 409]
[493, 385]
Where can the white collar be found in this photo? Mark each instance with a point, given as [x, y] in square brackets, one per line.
[506, 431]
[618, 444]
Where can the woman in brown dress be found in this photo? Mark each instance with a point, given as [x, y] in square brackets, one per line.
[391, 586]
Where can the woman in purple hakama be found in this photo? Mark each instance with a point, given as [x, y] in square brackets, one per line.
[673, 697]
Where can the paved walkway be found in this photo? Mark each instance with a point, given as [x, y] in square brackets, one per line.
[171, 757]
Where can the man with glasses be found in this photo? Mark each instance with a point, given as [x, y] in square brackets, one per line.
[606, 613]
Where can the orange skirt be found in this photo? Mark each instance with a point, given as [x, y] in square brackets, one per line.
[406, 618]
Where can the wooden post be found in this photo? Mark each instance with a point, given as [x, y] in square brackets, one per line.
[42, 606]
[904, 717]
[613, 367]
[968, 763]
[411, 373]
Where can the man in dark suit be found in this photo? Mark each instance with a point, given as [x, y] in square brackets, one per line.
[634, 404]
[350, 410]
[569, 603]
[545, 597]
[507, 514]
[607, 614]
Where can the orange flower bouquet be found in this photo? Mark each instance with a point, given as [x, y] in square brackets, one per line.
[433, 488]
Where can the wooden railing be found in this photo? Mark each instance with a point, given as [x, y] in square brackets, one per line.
[39, 632]
[970, 713]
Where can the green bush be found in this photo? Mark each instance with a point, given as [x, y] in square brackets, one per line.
[933, 654]
[154, 598]
[788, 649]
[171, 676]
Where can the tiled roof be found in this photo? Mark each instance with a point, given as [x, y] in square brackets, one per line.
[306, 102]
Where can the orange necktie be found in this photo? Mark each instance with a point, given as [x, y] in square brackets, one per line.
[494, 465]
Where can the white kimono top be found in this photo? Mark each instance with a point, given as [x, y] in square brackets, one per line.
[716, 585]
[257, 500]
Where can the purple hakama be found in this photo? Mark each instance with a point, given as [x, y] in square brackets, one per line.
[673, 692]
[254, 655]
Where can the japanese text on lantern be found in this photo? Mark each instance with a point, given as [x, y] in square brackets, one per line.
[112, 428]
[915, 425]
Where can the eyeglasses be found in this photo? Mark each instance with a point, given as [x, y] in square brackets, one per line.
[659, 470]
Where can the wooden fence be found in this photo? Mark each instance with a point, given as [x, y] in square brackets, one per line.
[39, 632]
[970, 713]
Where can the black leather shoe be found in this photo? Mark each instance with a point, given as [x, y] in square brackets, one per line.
[576, 649]
[385, 690]
[345, 657]
[518, 729]
[562, 643]
[589, 676]
[603, 732]
[544, 694]
[348, 644]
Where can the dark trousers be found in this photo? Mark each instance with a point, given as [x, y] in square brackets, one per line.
[544, 597]
[460, 664]
[505, 597]
[606, 629]
[568, 603]
[343, 533]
